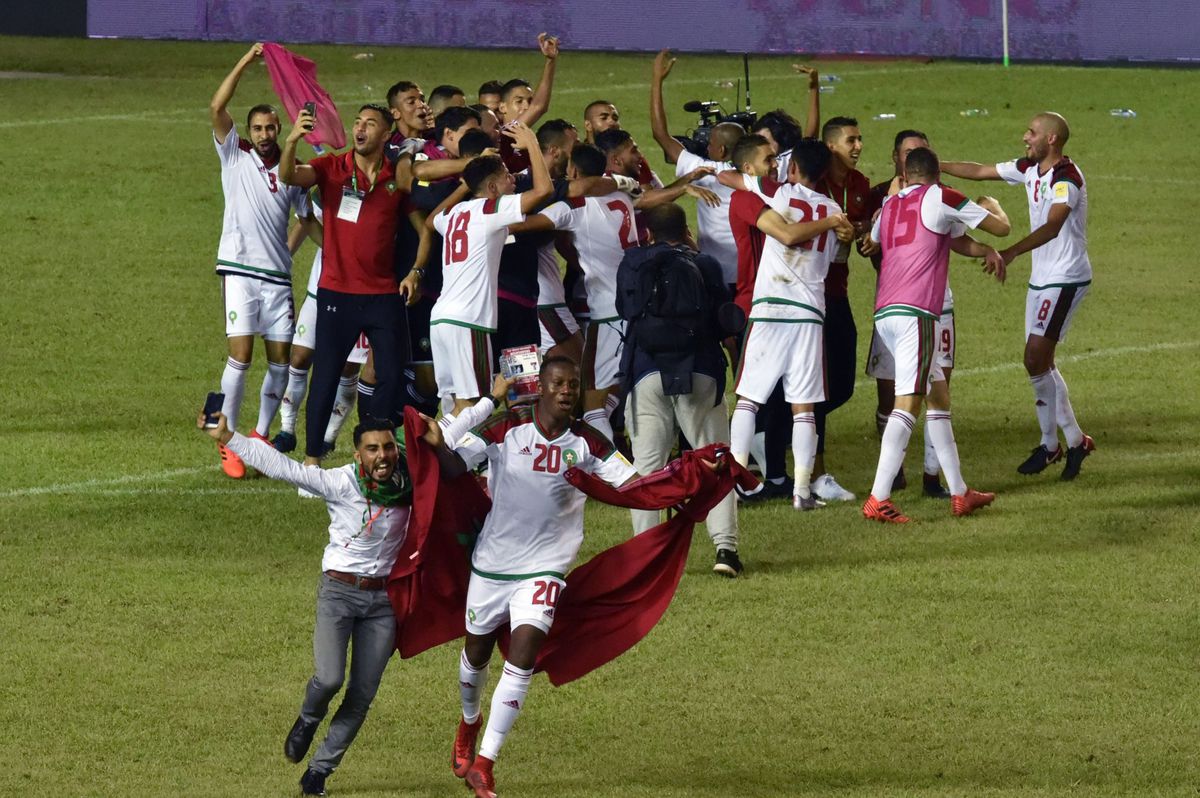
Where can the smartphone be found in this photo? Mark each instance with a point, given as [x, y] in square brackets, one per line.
[311, 107]
[212, 408]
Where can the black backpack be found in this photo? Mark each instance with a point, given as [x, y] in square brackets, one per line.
[666, 304]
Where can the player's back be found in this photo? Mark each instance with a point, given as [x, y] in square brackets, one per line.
[916, 258]
[604, 229]
[473, 234]
[795, 273]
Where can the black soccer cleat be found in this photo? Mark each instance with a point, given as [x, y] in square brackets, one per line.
[1075, 457]
[900, 482]
[932, 487]
[1038, 459]
[299, 739]
[284, 442]
[727, 563]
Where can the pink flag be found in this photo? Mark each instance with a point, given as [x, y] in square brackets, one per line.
[295, 80]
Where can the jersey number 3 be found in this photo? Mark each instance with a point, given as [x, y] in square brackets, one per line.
[548, 459]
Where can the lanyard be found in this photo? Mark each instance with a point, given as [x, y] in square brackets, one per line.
[354, 175]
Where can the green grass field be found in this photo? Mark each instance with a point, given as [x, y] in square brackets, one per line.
[155, 617]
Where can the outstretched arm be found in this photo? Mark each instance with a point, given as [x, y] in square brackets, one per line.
[263, 458]
[993, 262]
[812, 123]
[1047, 232]
[222, 122]
[970, 170]
[996, 222]
[290, 172]
[541, 96]
[653, 197]
[793, 233]
[658, 114]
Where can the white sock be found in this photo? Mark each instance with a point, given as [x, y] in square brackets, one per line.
[931, 459]
[610, 404]
[1064, 413]
[741, 430]
[273, 385]
[293, 397]
[233, 385]
[804, 451]
[471, 681]
[1046, 403]
[506, 705]
[758, 450]
[891, 452]
[939, 430]
[343, 406]
[599, 420]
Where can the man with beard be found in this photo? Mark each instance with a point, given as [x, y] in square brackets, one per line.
[253, 258]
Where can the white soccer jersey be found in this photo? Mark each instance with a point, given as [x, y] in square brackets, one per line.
[604, 228]
[314, 274]
[551, 293]
[474, 232]
[716, 236]
[257, 208]
[790, 284]
[1064, 260]
[535, 526]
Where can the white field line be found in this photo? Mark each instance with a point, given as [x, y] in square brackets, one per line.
[92, 485]
[1017, 365]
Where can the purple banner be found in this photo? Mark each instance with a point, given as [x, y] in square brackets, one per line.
[1059, 30]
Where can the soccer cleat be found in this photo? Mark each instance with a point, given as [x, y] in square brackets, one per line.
[728, 563]
[1038, 459]
[295, 746]
[313, 782]
[1075, 457]
[759, 494]
[464, 747]
[231, 464]
[826, 487]
[970, 501]
[932, 487]
[778, 490]
[806, 502]
[284, 442]
[480, 778]
[883, 511]
[900, 482]
[256, 436]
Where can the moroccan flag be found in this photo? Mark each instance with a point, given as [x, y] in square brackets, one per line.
[294, 78]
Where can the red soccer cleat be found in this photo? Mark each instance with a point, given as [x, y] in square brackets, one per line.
[254, 434]
[464, 746]
[480, 779]
[970, 501]
[883, 511]
[231, 464]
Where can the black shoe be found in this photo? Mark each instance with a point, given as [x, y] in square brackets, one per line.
[284, 442]
[299, 739]
[327, 448]
[1075, 457]
[777, 490]
[901, 481]
[759, 494]
[727, 563]
[1038, 459]
[932, 488]
[313, 782]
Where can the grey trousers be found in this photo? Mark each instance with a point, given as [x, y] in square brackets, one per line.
[345, 613]
[652, 420]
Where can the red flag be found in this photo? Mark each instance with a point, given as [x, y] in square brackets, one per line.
[294, 78]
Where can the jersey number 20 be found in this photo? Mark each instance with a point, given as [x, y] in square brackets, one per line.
[548, 459]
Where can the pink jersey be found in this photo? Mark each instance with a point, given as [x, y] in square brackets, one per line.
[914, 229]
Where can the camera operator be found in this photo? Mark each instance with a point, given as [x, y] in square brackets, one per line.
[673, 300]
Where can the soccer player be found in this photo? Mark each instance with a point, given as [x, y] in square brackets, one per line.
[783, 130]
[473, 232]
[787, 313]
[527, 544]
[1061, 275]
[409, 110]
[519, 102]
[253, 258]
[445, 96]
[599, 116]
[916, 230]
[489, 94]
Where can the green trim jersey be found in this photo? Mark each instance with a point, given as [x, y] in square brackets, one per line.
[1063, 260]
[474, 233]
[604, 228]
[536, 523]
[257, 208]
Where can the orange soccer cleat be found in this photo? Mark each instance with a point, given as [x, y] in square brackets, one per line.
[883, 511]
[464, 746]
[480, 779]
[231, 464]
[970, 501]
[254, 434]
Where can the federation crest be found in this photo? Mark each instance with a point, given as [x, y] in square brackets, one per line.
[233, 315]
[391, 186]
[570, 458]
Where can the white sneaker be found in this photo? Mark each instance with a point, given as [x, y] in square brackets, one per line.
[826, 487]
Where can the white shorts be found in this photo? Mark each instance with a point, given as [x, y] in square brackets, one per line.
[306, 333]
[1049, 310]
[557, 325]
[881, 366]
[255, 307]
[462, 360]
[793, 351]
[522, 602]
[910, 342]
[602, 354]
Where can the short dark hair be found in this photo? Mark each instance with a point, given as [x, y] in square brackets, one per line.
[400, 88]
[372, 424]
[553, 133]
[261, 108]
[445, 92]
[480, 170]
[832, 126]
[511, 86]
[666, 222]
[907, 134]
[744, 150]
[474, 142]
[922, 161]
[589, 161]
[612, 140]
[453, 118]
[812, 158]
[384, 112]
[556, 360]
[491, 87]
[479, 108]
[588, 108]
[784, 127]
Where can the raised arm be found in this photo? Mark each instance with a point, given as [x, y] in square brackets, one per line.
[264, 458]
[812, 122]
[290, 172]
[524, 137]
[970, 170]
[222, 122]
[541, 95]
[1047, 232]
[658, 114]
[997, 222]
